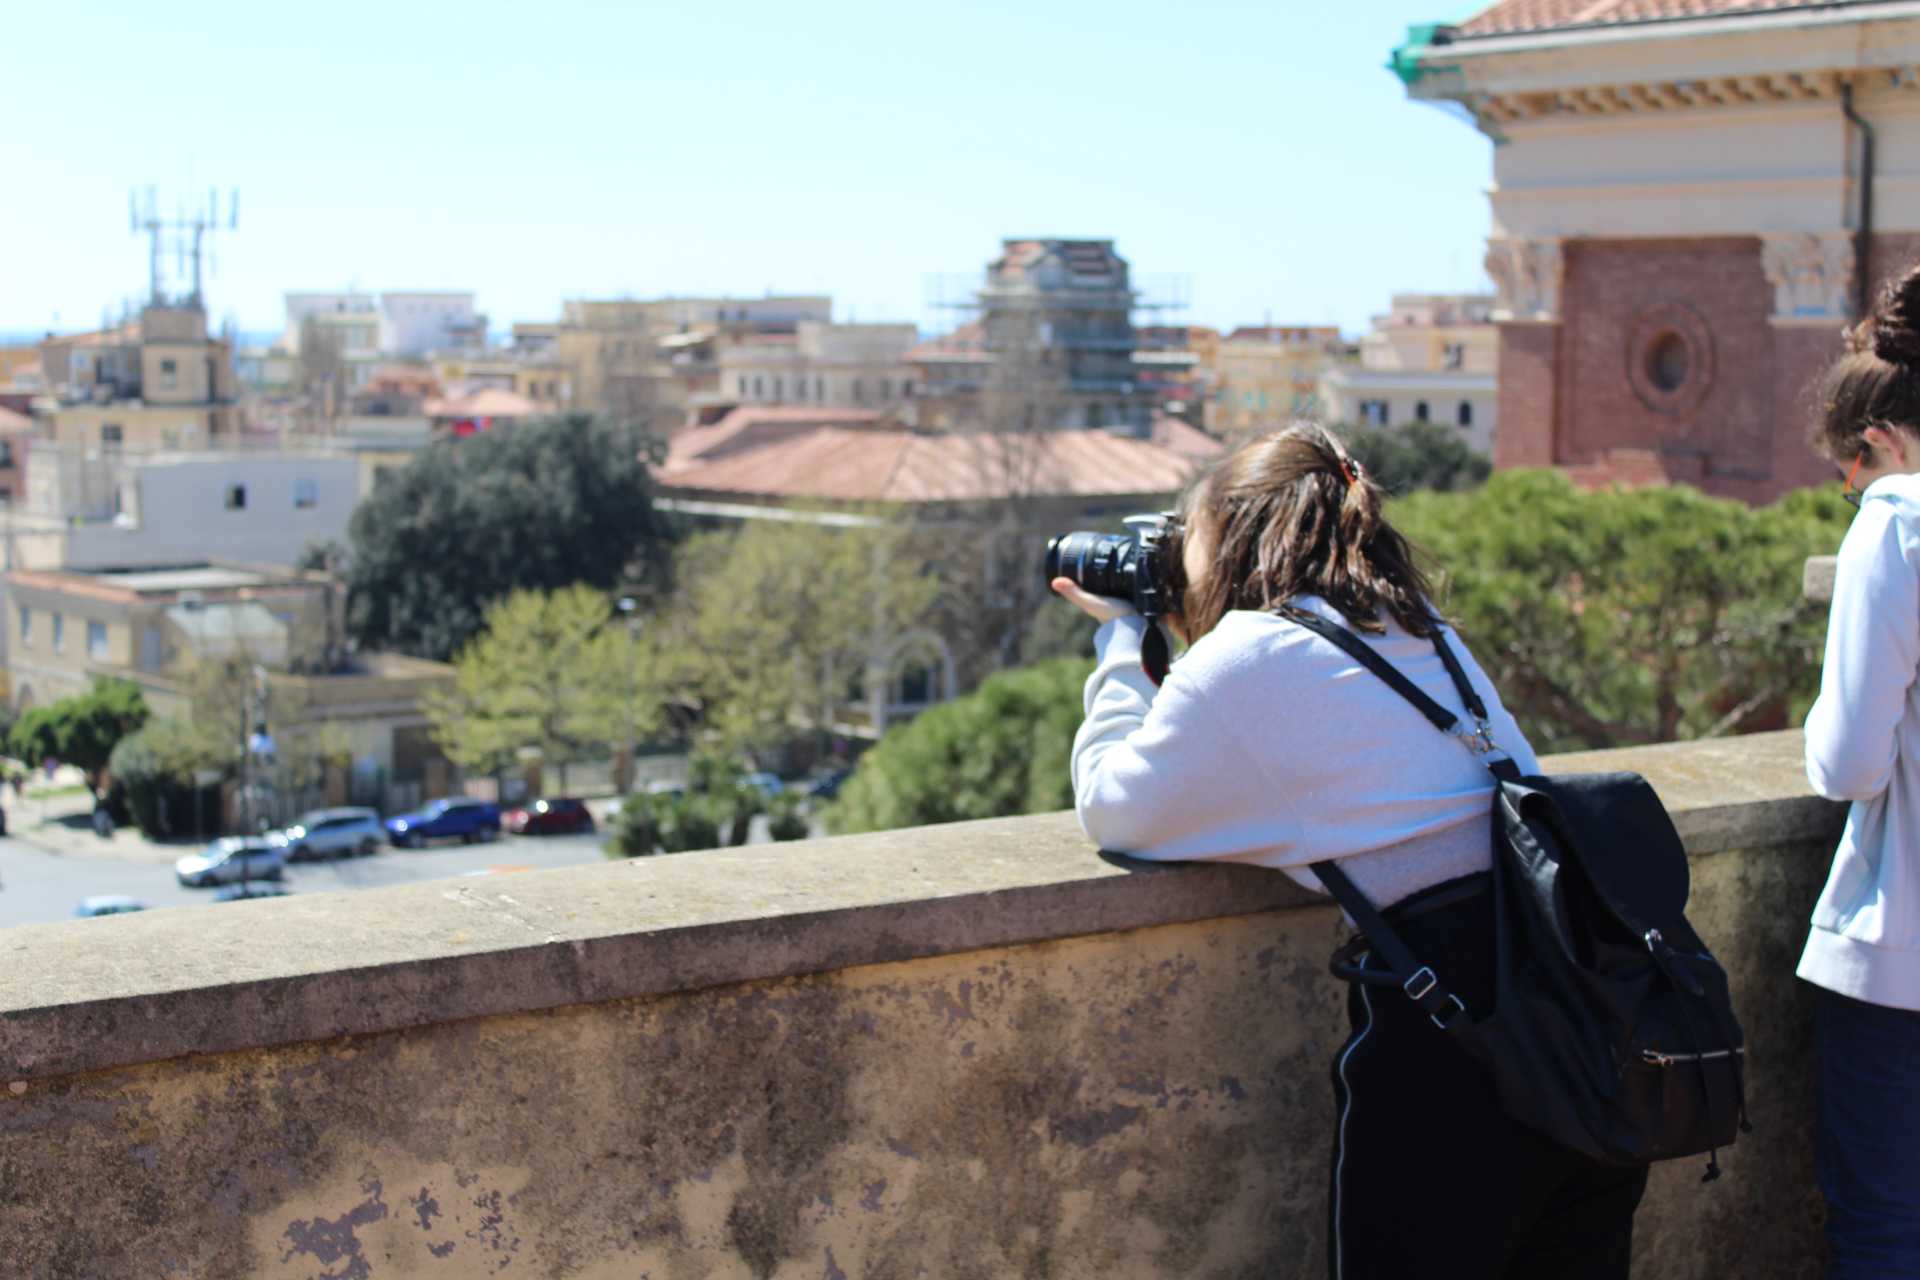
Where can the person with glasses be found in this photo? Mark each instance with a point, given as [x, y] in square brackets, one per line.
[1863, 746]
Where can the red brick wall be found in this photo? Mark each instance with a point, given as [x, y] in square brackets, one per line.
[1726, 437]
[1567, 395]
[1524, 430]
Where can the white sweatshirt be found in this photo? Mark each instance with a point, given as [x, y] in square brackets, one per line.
[1863, 745]
[1267, 744]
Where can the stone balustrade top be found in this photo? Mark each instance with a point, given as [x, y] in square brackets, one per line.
[93, 994]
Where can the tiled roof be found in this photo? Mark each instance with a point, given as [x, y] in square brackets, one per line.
[1513, 17]
[492, 402]
[887, 464]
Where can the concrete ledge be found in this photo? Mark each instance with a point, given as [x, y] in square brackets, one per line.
[94, 994]
[1816, 580]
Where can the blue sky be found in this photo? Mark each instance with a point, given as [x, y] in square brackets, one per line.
[535, 152]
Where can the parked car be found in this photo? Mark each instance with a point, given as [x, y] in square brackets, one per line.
[251, 889]
[549, 817]
[455, 817]
[661, 787]
[333, 833]
[232, 858]
[827, 785]
[108, 904]
[767, 784]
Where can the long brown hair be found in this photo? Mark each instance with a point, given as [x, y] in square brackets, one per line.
[1877, 382]
[1292, 514]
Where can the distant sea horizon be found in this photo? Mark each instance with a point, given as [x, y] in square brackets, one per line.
[27, 337]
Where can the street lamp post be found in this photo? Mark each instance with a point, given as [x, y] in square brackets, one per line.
[629, 607]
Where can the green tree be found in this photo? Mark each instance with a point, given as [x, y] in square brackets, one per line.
[550, 671]
[1418, 455]
[1002, 749]
[536, 507]
[778, 622]
[156, 768]
[1614, 617]
[82, 730]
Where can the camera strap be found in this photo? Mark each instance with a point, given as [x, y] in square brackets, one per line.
[1154, 653]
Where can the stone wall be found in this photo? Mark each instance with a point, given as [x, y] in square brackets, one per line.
[972, 1050]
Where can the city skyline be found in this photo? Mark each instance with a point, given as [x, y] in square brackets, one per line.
[1277, 167]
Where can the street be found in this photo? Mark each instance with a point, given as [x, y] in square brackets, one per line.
[38, 887]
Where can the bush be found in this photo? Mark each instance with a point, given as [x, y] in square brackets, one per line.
[153, 771]
[690, 822]
[786, 819]
[1003, 749]
[1614, 617]
[633, 832]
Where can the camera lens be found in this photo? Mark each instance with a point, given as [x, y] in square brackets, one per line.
[1100, 562]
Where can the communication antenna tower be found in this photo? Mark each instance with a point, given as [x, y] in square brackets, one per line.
[188, 234]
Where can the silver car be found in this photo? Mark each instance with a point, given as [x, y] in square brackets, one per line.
[334, 833]
[234, 858]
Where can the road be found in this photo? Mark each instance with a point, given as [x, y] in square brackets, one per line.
[37, 887]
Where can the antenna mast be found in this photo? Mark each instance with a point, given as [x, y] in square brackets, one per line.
[188, 235]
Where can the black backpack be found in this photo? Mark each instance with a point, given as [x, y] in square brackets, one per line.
[1611, 1031]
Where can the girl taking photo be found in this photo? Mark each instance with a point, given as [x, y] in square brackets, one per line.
[1863, 745]
[1267, 744]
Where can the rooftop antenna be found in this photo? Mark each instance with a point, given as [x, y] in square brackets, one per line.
[188, 235]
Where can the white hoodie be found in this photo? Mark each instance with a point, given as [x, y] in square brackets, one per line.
[1270, 745]
[1863, 745]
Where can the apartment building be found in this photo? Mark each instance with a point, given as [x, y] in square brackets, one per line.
[1431, 358]
[835, 365]
[1267, 375]
[157, 382]
[154, 626]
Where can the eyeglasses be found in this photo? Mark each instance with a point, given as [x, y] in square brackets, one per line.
[1851, 494]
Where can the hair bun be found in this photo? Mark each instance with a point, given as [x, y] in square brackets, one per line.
[1896, 321]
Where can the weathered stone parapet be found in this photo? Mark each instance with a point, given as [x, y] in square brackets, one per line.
[964, 1051]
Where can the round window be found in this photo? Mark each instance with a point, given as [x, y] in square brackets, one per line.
[1669, 358]
[1667, 362]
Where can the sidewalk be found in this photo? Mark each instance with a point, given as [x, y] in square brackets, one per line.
[56, 817]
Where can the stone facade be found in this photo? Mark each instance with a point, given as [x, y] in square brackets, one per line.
[1678, 213]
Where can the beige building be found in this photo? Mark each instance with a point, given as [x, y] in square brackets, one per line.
[156, 626]
[1433, 358]
[833, 365]
[655, 361]
[1267, 375]
[158, 383]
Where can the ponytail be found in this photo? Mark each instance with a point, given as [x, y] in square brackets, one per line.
[1292, 514]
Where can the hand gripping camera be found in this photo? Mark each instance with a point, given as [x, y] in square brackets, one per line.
[1142, 568]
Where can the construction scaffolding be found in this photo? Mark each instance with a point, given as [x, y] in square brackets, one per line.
[1049, 329]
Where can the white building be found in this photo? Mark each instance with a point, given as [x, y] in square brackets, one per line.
[335, 308]
[416, 323]
[133, 509]
[1432, 358]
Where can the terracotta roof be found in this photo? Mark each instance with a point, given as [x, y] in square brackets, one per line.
[1184, 439]
[1512, 17]
[490, 402]
[750, 426]
[969, 340]
[1286, 334]
[888, 464]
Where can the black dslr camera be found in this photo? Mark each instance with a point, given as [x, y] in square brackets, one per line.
[1142, 568]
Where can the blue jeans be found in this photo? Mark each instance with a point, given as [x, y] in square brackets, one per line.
[1867, 1069]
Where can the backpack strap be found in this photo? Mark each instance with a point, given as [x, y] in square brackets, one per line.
[1479, 739]
[1419, 983]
